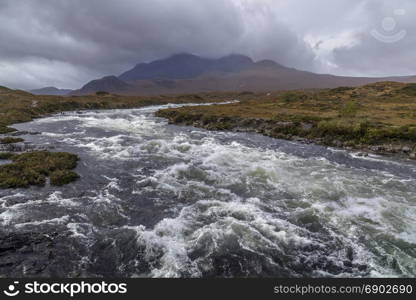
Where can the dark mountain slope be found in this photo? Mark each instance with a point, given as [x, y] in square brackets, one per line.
[110, 84]
[185, 66]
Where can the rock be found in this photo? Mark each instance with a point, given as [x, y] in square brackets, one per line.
[362, 154]
[306, 126]
[377, 148]
[406, 149]
[19, 133]
[412, 155]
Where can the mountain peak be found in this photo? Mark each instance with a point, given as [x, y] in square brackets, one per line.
[186, 66]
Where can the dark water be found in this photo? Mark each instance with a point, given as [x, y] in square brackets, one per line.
[157, 200]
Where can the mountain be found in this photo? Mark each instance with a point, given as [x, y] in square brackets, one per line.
[187, 73]
[185, 66]
[110, 84]
[53, 91]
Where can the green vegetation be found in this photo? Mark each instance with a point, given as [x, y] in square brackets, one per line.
[289, 97]
[33, 168]
[350, 109]
[10, 140]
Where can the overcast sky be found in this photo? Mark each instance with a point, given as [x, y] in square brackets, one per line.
[66, 43]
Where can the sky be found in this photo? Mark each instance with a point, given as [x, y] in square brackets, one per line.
[66, 43]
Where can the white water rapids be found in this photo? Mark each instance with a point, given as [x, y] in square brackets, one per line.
[166, 201]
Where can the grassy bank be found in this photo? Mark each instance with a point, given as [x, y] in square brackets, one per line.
[20, 106]
[379, 117]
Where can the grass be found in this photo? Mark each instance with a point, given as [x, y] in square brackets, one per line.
[380, 113]
[10, 140]
[62, 177]
[33, 168]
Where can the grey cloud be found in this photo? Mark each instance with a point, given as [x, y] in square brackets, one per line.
[66, 43]
[375, 57]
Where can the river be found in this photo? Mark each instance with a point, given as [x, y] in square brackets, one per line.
[158, 200]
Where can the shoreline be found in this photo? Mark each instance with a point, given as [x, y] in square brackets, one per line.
[277, 130]
[22, 164]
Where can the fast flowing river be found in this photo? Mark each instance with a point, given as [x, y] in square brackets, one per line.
[157, 200]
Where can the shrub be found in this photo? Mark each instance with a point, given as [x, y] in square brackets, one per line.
[342, 89]
[342, 130]
[289, 97]
[350, 109]
[410, 89]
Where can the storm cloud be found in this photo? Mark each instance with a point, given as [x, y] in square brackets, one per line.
[66, 43]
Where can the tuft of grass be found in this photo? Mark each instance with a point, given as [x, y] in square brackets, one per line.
[33, 168]
[11, 140]
[63, 177]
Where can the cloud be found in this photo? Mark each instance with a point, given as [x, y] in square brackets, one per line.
[66, 43]
[387, 52]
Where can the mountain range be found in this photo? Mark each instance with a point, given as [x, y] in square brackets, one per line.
[186, 73]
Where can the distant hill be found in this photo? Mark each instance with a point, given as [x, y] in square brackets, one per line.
[51, 91]
[187, 73]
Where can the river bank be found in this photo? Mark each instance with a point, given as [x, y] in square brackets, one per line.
[378, 118]
[18, 107]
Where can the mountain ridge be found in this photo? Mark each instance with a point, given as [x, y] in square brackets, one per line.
[187, 73]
